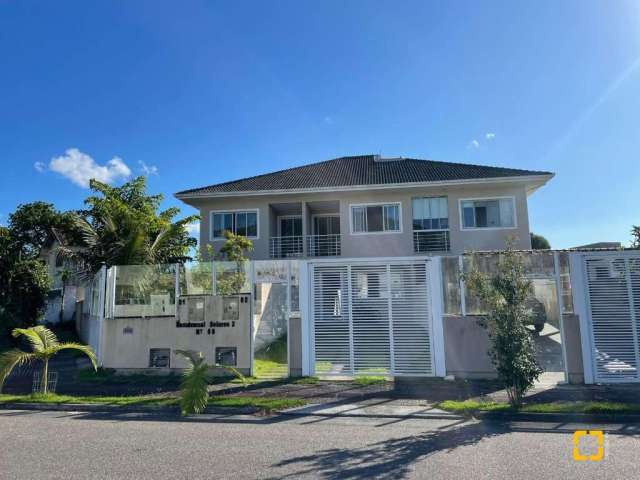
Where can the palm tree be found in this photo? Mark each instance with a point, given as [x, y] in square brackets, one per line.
[44, 345]
[65, 275]
[194, 393]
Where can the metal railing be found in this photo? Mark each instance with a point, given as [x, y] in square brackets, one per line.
[286, 247]
[323, 245]
[431, 241]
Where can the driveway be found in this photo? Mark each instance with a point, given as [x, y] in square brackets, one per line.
[78, 445]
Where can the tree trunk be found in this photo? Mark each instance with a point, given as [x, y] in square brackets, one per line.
[45, 377]
[62, 304]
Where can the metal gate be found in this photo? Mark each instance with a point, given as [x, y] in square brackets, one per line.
[372, 318]
[612, 288]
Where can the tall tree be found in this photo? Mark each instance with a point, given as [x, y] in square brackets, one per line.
[24, 283]
[538, 242]
[30, 226]
[124, 226]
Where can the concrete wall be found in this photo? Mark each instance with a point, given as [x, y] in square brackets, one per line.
[126, 342]
[378, 244]
[466, 344]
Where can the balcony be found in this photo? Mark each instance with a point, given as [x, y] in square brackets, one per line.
[286, 247]
[431, 241]
[323, 245]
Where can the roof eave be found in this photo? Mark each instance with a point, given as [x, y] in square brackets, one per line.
[533, 182]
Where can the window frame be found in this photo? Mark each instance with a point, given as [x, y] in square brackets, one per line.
[508, 197]
[446, 198]
[234, 212]
[376, 204]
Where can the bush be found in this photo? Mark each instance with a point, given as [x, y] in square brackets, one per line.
[512, 349]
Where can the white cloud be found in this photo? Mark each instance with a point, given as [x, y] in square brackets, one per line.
[490, 136]
[474, 144]
[148, 169]
[40, 166]
[193, 229]
[80, 168]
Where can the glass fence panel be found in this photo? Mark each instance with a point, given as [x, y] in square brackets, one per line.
[145, 291]
[451, 285]
[196, 278]
[295, 286]
[232, 277]
[565, 282]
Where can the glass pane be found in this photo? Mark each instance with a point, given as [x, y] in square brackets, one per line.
[468, 216]
[359, 219]
[417, 207]
[241, 224]
[480, 216]
[232, 278]
[374, 218]
[218, 225]
[451, 285]
[391, 218]
[252, 224]
[506, 212]
[145, 291]
[493, 213]
[334, 225]
[196, 278]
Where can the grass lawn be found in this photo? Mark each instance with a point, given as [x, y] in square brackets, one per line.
[473, 406]
[365, 381]
[263, 403]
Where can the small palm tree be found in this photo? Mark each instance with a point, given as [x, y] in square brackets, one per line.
[194, 394]
[44, 345]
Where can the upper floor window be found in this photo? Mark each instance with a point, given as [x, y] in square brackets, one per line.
[430, 213]
[488, 213]
[243, 223]
[377, 218]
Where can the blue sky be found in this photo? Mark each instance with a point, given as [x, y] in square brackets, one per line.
[201, 92]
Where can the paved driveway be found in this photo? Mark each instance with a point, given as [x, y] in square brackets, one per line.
[68, 445]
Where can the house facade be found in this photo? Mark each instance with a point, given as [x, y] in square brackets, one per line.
[368, 206]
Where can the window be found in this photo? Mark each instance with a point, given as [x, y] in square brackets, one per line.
[240, 223]
[375, 218]
[159, 357]
[430, 213]
[488, 213]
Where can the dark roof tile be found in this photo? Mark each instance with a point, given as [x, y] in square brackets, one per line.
[360, 171]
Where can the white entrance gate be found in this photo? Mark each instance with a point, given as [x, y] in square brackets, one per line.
[609, 314]
[376, 317]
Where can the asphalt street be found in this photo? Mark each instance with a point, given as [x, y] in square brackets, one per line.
[70, 445]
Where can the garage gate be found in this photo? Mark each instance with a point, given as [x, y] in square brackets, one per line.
[372, 318]
[612, 308]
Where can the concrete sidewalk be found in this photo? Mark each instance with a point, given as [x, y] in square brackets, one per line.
[374, 408]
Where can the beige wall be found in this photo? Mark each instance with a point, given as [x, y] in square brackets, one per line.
[379, 244]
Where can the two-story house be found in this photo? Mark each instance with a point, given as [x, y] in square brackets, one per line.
[370, 206]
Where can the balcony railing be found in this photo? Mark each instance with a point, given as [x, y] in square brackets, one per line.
[323, 245]
[286, 247]
[431, 241]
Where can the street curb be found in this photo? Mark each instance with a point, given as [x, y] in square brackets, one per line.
[557, 417]
[98, 408]
[422, 416]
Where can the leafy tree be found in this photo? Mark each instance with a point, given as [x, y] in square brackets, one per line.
[44, 345]
[24, 284]
[538, 242]
[235, 249]
[30, 226]
[635, 232]
[124, 226]
[512, 351]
